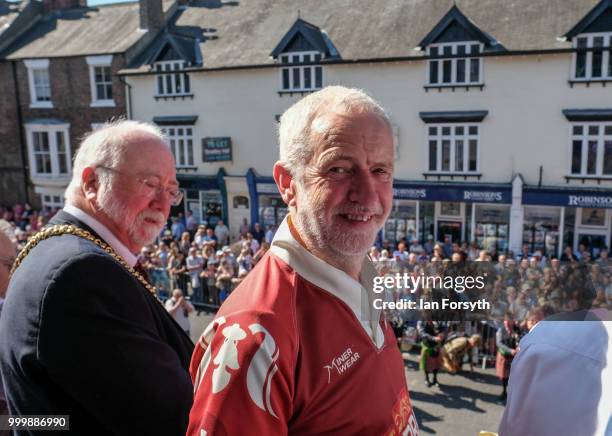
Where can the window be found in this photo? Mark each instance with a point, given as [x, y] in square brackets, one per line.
[39, 83]
[301, 77]
[101, 80]
[591, 149]
[169, 80]
[52, 201]
[453, 148]
[49, 149]
[181, 144]
[455, 70]
[592, 60]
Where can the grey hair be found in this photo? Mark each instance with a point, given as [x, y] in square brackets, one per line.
[106, 146]
[295, 124]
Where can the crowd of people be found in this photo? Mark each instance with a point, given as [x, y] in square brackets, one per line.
[197, 260]
[203, 263]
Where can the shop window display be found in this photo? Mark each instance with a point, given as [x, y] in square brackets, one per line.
[492, 227]
[272, 210]
[402, 222]
[541, 229]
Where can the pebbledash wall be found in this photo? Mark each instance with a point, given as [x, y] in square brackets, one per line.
[520, 193]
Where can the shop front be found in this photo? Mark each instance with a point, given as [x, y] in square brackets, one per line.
[555, 218]
[268, 208]
[204, 197]
[455, 211]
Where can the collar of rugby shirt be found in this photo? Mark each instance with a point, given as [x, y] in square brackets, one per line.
[104, 233]
[357, 295]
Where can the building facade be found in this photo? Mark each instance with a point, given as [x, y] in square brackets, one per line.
[62, 82]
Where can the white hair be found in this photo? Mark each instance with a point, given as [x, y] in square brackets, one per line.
[106, 146]
[295, 124]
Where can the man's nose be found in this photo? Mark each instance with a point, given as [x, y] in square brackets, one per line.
[363, 189]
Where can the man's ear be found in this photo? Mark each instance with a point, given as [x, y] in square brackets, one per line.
[89, 183]
[285, 183]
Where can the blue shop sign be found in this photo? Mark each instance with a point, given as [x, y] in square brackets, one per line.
[469, 194]
[568, 198]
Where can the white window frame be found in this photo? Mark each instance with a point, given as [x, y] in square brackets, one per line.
[601, 137]
[454, 47]
[466, 137]
[38, 65]
[94, 62]
[181, 157]
[48, 200]
[607, 46]
[302, 68]
[174, 69]
[51, 130]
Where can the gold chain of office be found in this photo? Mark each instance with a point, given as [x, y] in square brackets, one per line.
[59, 230]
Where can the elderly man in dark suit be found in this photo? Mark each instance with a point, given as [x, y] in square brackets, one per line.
[81, 333]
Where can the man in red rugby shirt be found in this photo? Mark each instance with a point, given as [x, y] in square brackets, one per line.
[297, 348]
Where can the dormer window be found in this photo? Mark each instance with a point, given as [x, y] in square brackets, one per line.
[454, 47]
[173, 53]
[300, 72]
[299, 54]
[455, 70]
[591, 38]
[592, 59]
[170, 80]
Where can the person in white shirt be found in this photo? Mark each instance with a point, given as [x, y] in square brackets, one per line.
[195, 265]
[561, 379]
[222, 233]
[179, 308]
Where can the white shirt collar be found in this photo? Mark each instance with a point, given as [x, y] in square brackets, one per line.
[357, 295]
[103, 232]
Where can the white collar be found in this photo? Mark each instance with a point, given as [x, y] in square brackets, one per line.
[357, 295]
[103, 232]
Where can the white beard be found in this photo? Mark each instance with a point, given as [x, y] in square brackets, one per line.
[138, 230]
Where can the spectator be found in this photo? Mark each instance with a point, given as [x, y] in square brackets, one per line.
[270, 233]
[179, 308]
[210, 238]
[222, 233]
[177, 228]
[195, 266]
[507, 339]
[258, 233]
[244, 228]
[251, 242]
[429, 245]
[200, 235]
[190, 222]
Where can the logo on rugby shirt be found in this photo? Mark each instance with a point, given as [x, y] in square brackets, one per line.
[341, 363]
[262, 367]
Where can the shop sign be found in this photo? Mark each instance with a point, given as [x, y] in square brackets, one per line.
[597, 201]
[216, 149]
[451, 193]
[417, 194]
[570, 199]
[483, 196]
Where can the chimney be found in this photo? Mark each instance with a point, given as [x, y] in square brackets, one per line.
[151, 14]
[58, 5]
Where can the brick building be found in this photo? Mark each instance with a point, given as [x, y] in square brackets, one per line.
[59, 75]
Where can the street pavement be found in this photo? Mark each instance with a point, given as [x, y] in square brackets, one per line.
[462, 406]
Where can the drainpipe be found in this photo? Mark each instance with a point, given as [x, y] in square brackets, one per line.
[22, 149]
[128, 93]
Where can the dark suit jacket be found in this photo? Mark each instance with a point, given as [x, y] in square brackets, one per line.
[80, 336]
